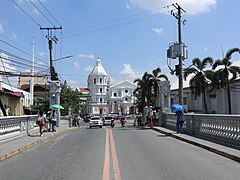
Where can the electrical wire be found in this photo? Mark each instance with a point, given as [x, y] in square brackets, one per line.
[19, 50]
[142, 19]
[41, 12]
[25, 13]
[49, 12]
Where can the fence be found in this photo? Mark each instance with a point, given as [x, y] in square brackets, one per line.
[221, 128]
[16, 125]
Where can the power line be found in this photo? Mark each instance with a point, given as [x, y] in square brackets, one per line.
[142, 19]
[25, 13]
[114, 20]
[41, 12]
[49, 12]
[19, 50]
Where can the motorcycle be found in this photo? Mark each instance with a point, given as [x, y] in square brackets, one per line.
[122, 121]
[112, 123]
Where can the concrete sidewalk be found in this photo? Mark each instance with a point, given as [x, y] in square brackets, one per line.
[13, 146]
[227, 152]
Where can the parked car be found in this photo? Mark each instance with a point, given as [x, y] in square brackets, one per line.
[107, 120]
[95, 121]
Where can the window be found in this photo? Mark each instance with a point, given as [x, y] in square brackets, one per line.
[126, 99]
[100, 90]
[100, 80]
[94, 81]
[115, 94]
[100, 99]
[126, 91]
[184, 100]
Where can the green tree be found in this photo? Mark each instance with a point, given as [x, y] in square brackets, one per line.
[71, 98]
[154, 81]
[41, 103]
[227, 73]
[142, 90]
[199, 82]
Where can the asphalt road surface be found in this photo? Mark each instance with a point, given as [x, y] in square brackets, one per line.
[127, 153]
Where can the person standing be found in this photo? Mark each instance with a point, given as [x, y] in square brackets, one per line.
[53, 118]
[41, 120]
[157, 117]
[180, 121]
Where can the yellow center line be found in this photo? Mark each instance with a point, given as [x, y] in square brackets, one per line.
[114, 158]
[106, 167]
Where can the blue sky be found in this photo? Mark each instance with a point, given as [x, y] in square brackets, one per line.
[129, 36]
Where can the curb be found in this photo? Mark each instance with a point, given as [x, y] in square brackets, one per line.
[13, 153]
[219, 152]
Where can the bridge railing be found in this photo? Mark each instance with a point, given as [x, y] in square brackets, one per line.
[16, 125]
[216, 127]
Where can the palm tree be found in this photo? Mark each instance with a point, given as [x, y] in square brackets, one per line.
[142, 90]
[227, 73]
[199, 82]
[154, 79]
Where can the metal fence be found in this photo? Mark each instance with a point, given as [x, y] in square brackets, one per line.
[16, 125]
[220, 128]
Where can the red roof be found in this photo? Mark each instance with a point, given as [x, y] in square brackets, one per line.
[83, 89]
[18, 94]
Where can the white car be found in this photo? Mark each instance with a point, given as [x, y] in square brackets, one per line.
[95, 121]
[107, 120]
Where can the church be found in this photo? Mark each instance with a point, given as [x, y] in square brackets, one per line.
[104, 97]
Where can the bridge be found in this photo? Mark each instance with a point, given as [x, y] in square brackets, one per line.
[137, 148]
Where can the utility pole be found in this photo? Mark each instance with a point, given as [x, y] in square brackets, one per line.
[32, 75]
[54, 83]
[179, 69]
[50, 43]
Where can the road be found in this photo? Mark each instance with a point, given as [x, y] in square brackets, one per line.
[120, 153]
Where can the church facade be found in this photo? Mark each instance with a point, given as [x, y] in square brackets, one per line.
[106, 98]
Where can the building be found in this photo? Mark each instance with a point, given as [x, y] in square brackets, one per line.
[217, 101]
[121, 97]
[14, 101]
[104, 97]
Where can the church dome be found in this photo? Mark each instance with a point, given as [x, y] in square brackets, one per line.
[98, 69]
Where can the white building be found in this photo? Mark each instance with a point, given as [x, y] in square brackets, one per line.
[121, 97]
[106, 98]
[98, 83]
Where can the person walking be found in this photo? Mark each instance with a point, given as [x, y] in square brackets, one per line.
[41, 120]
[180, 121]
[53, 118]
[157, 117]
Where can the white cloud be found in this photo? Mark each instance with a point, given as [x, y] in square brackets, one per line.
[157, 30]
[128, 6]
[72, 82]
[76, 64]
[14, 35]
[36, 12]
[42, 54]
[88, 69]
[1, 28]
[89, 56]
[191, 6]
[129, 73]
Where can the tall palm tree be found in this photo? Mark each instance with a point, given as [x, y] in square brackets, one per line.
[155, 79]
[199, 82]
[227, 72]
[142, 90]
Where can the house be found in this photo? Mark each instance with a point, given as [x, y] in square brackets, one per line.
[13, 101]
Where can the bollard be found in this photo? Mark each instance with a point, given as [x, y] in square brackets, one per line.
[70, 121]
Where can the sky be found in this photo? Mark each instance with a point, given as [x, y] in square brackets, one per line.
[129, 36]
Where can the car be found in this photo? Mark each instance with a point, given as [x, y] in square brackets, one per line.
[107, 120]
[95, 121]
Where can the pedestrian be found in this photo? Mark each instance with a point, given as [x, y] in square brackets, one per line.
[41, 120]
[157, 117]
[180, 121]
[53, 119]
